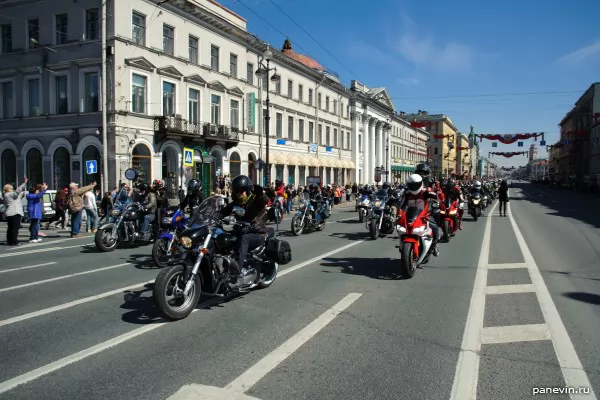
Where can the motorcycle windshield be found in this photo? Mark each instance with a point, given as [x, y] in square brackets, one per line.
[208, 211]
[412, 213]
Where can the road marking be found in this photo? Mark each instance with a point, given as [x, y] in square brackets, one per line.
[22, 253]
[201, 392]
[58, 278]
[507, 289]
[315, 259]
[258, 371]
[507, 266]
[70, 304]
[571, 366]
[31, 266]
[515, 333]
[26, 246]
[467, 367]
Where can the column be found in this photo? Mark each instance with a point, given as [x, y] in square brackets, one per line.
[371, 152]
[387, 154]
[380, 147]
[365, 146]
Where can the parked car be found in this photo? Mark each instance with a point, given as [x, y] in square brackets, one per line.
[47, 211]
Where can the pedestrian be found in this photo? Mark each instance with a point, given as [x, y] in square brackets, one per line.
[91, 211]
[503, 196]
[14, 211]
[35, 210]
[59, 206]
[106, 205]
[75, 203]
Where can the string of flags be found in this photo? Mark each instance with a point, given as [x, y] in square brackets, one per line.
[510, 138]
[507, 154]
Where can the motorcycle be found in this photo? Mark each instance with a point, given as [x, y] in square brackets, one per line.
[122, 227]
[416, 238]
[363, 207]
[449, 219]
[178, 287]
[475, 206]
[166, 247]
[308, 217]
[381, 221]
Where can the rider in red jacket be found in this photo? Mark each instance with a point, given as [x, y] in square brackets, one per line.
[453, 192]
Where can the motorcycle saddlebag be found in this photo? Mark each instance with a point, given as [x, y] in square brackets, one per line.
[279, 251]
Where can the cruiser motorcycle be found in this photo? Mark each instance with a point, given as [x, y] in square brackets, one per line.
[381, 221]
[123, 227]
[475, 206]
[166, 247]
[178, 287]
[363, 207]
[416, 238]
[308, 217]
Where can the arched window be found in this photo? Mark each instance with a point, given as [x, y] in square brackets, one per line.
[90, 153]
[235, 165]
[8, 168]
[216, 169]
[141, 160]
[34, 167]
[62, 168]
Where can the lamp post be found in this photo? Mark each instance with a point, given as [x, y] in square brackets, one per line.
[263, 73]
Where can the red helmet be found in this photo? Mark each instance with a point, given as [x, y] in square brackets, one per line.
[158, 184]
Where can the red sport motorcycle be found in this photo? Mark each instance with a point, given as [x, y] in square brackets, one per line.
[416, 238]
[449, 216]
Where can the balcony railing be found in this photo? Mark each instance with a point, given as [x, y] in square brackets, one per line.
[201, 130]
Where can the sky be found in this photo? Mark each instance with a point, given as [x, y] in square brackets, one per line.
[501, 67]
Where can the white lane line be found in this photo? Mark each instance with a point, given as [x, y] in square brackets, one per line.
[571, 366]
[507, 266]
[258, 371]
[58, 278]
[28, 267]
[30, 245]
[467, 367]
[312, 260]
[515, 333]
[34, 251]
[70, 304]
[507, 289]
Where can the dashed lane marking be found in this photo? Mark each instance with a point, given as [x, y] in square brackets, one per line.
[508, 289]
[28, 267]
[515, 333]
[507, 266]
[35, 251]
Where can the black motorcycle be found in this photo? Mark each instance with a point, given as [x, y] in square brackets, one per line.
[123, 227]
[177, 288]
[382, 221]
[475, 205]
[309, 216]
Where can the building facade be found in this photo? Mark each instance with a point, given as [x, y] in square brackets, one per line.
[408, 148]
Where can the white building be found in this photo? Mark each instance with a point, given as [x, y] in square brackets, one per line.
[408, 148]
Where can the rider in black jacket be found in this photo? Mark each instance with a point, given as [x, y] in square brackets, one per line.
[194, 195]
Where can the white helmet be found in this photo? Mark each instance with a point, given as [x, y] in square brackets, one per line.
[477, 185]
[414, 183]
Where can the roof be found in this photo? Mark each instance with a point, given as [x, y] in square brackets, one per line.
[301, 58]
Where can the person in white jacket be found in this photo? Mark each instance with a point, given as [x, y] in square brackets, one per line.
[91, 211]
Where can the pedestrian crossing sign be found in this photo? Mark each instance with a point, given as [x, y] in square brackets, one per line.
[188, 157]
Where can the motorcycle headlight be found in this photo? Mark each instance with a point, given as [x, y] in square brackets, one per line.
[452, 212]
[475, 201]
[377, 203]
[401, 229]
[166, 221]
[115, 212]
[419, 230]
[186, 242]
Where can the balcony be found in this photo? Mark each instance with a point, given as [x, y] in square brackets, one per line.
[179, 128]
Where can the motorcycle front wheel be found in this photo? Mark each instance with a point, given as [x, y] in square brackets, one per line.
[168, 293]
[104, 240]
[159, 252]
[297, 227]
[475, 216]
[321, 226]
[374, 229]
[409, 264]
[446, 230]
[361, 216]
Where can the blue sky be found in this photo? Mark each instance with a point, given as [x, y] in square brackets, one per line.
[472, 61]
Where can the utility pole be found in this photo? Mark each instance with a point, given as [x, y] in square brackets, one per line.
[104, 103]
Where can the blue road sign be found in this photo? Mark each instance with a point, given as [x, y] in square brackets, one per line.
[91, 167]
[188, 157]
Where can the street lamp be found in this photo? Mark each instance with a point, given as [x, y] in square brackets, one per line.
[263, 73]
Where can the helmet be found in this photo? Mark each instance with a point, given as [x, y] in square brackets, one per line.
[386, 185]
[414, 183]
[158, 183]
[451, 183]
[194, 185]
[422, 169]
[477, 185]
[143, 187]
[241, 183]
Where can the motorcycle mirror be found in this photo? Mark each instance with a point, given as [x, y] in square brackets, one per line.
[238, 211]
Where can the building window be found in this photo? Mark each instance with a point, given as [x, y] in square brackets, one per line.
[279, 125]
[8, 104]
[291, 128]
[7, 38]
[168, 39]
[138, 28]
[335, 107]
[290, 91]
[234, 114]
[327, 136]
[214, 58]
[300, 93]
[169, 99]
[91, 101]
[360, 143]
[327, 103]
[215, 109]
[62, 22]
[278, 87]
[264, 81]
[311, 130]
[193, 49]
[92, 26]
[250, 74]
[310, 97]
[233, 65]
[34, 97]
[319, 104]
[348, 140]
[61, 100]
[194, 106]
[335, 138]
[138, 93]
[33, 32]
[320, 135]
[301, 130]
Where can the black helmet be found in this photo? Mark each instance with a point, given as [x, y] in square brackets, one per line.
[422, 169]
[386, 185]
[451, 183]
[241, 183]
[312, 187]
[194, 185]
[143, 187]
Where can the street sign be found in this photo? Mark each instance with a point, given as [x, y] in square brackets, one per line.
[188, 157]
[131, 174]
[377, 174]
[91, 167]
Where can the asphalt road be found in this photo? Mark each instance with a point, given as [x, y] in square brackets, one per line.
[501, 312]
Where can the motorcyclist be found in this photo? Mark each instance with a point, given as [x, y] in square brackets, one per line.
[319, 203]
[149, 204]
[453, 192]
[254, 201]
[417, 195]
[393, 202]
[194, 195]
[162, 201]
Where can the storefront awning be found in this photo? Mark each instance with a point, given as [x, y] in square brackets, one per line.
[402, 168]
